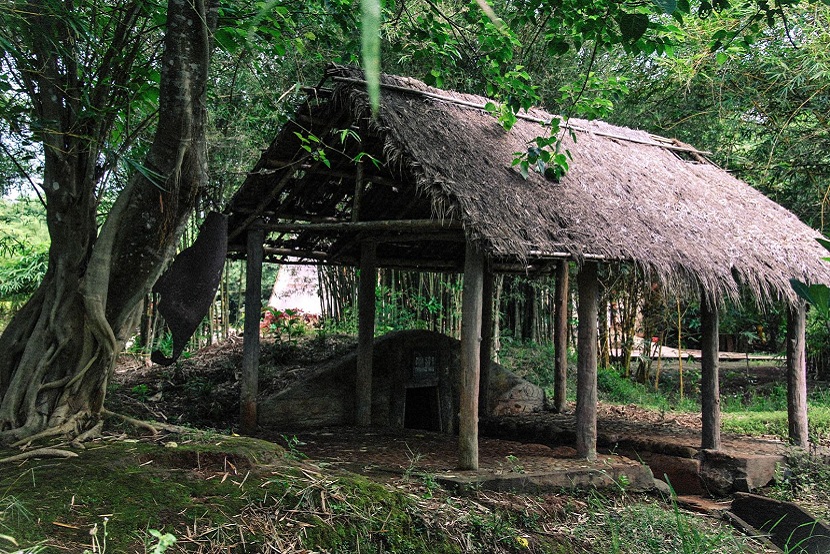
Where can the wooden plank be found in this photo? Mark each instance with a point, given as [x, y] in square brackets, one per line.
[797, 375]
[471, 309]
[486, 340]
[365, 333]
[586, 377]
[560, 338]
[249, 380]
[709, 385]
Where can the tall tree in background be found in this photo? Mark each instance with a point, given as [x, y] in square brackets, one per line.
[79, 65]
[760, 104]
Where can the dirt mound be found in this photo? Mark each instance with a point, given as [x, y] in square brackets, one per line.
[202, 390]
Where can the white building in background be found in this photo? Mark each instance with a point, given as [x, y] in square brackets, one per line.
[296, 288]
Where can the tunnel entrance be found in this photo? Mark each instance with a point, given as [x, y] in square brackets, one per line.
[422, 409]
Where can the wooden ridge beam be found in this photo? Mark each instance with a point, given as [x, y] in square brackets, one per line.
[656, 140]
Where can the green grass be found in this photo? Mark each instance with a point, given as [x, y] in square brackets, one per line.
[614, 388]
[753, 411]
[219, 494]
[533, 362]
[755, 423]
[645, 526]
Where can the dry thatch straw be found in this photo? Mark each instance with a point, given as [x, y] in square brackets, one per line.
[629, 196]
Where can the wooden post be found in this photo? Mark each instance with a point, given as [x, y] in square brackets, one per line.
[560, 338]
[365, 333]
[249, 381]
[471, 308]
[486, 341]
[797, 375]
[358, 192]
[709, 385]
[586, 377]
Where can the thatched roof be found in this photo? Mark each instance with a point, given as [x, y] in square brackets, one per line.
[629, 196]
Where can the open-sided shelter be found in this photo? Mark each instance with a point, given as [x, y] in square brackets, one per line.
[429, 183]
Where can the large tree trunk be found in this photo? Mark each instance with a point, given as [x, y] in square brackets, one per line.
[58, 352]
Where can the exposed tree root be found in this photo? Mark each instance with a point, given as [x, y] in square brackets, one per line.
[88, 435]
[152, 426]
[68, 428]
[40, 453]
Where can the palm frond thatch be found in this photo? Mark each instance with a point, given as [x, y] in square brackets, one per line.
[630, 196]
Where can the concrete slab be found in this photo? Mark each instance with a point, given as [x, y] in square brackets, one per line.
[744, 464]
[605, 473]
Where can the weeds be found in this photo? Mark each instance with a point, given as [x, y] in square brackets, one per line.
[615, 388]
[622, 524]
[291, 450]
[532, 362]
[13, 514]
[430, 484]
[163, 541]
[413, 458]
[141, 392]
[515, 466]
[99, 544]
[805, 478]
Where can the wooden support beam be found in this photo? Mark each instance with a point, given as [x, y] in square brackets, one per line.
[249, 381]
[365, 333]
[367, 178]
[586, 377]
[272, 251]
[560, 338]
[486, 340]
[471, 309]
[276, 189]
[357, 226]
[797, 375]
[709, 384]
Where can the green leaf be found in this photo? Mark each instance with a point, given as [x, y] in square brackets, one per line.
[227, 39]
[666, 6]
[821, 299]
[633, 26]
[817, 296]
[157, 179]
[824, 242]
[370, 41]
[721, 58]
[558, 47]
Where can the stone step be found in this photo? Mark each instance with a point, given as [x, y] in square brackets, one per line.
[602, 475]
[744, 464]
